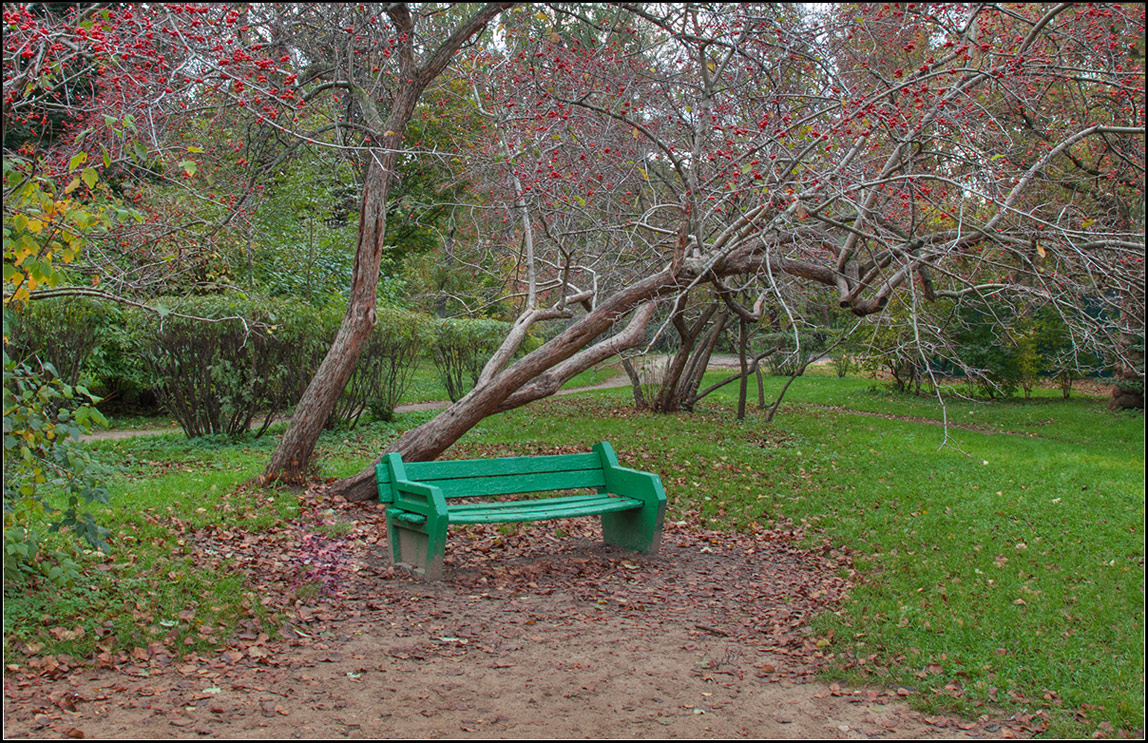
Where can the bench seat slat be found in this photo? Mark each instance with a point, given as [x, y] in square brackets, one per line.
[540, 509]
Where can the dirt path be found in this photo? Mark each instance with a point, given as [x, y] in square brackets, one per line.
[535, 632]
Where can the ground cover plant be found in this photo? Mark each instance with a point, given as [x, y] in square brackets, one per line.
[1003, 571]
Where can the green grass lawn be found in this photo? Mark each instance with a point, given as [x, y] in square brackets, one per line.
[1001, 570]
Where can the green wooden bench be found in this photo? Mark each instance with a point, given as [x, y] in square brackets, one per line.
[425, 497]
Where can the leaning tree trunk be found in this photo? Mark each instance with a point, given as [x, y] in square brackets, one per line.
[537, 375]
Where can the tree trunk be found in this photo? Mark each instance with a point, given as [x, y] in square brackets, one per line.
[743, 364]
[668, 399]
[1128, 392]
[635, 385]
[291, 460]
[692, 381]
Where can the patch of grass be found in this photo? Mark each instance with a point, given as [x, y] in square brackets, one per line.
[425, 385]
[150, 587]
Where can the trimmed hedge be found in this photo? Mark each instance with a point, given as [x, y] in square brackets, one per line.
[220, 376]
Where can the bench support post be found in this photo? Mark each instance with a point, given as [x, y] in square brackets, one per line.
[416, 521]
[418, 547]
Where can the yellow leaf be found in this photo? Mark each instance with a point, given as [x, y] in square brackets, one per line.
[1040, 250]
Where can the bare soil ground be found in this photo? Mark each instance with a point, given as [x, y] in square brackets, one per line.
[538, 631]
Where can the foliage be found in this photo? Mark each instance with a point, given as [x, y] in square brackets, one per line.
[46, 230]
[1000, 352]
[384, 369]
[64, 332]
[45, 227]
[43, 461]
[304, 230]
[842, 362]
[251, 358]
[989, 354]
[792, 354]
[460, 348]
[885, 345]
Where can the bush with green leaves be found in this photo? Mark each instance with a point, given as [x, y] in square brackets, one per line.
[221, 362]
[384, 369]
[48, 476]
[461, 347]
[989, 353]
[87, 341]
[63, 332]
[791, 356]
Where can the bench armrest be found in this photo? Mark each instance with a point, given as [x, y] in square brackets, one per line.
[645, 486]
[418, 497]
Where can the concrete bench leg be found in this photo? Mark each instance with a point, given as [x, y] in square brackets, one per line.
[418, 547]
[639, 529]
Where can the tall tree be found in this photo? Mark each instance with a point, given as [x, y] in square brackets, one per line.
[420, 61]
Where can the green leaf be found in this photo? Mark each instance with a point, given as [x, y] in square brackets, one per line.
[77, 160]
[188, 166]
[89, 176]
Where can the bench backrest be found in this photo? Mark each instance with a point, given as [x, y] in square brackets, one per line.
[465, 478]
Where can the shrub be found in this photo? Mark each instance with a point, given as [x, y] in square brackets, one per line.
[990, 357]
[251, 358]
[461, 347]
[790, 358]
[43, 417]
[384, 369]
[63, 332]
